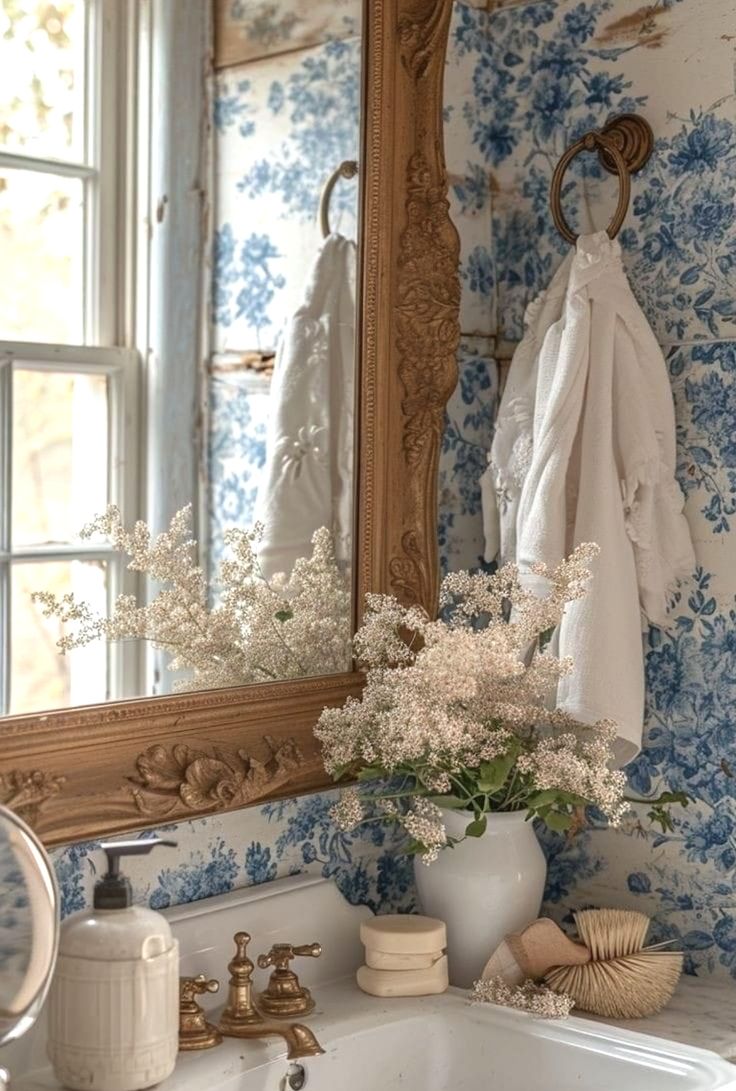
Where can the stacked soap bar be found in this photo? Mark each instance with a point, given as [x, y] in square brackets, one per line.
[404, 956]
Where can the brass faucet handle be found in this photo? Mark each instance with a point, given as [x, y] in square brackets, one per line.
[194, 1030]
[189, 987]
[240, 966]
[281, 954]
[240, 1012]
[285, 996]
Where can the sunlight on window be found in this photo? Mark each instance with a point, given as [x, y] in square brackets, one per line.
[42, 244]
[60, 468]
[42, 78]
[40, 678]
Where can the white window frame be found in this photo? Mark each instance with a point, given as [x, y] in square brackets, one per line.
[146, 190]
[108, 309]
[119, 366]
[105, 42]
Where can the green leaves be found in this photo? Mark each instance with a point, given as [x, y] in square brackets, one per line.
[371, 772]
[453, 803]
[494, 774]
[659, 808]
[557, 821]
[555, 808]
[538, 801]
[477, 827]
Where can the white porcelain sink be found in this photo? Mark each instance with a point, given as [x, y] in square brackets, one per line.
[444, 1044]
[430, 1044]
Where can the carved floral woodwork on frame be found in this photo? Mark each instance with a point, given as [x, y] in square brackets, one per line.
[428, 330]
[205, 781]
[26, 791]
[427, 308]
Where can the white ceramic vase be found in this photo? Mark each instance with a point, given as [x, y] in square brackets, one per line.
[483, 888]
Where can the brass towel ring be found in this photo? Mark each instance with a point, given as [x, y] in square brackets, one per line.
[589, 143]
[347, 169]
[624, 145]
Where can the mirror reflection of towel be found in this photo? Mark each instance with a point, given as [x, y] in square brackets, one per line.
[584, 451]
[307, 479]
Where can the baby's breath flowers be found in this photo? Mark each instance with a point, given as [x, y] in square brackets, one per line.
[535, 999]
[257, 630]
[458, 714]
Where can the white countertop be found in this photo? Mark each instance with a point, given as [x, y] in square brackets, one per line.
[701, 1013]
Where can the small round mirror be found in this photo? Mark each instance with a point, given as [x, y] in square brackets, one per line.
[29, 926]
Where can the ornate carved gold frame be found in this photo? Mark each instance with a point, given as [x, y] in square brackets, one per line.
[85, 772]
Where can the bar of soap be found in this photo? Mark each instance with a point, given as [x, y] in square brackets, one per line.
[426, 982]
[404, 934]
[387, 960]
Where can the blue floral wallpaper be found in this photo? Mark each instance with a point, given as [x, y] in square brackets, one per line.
[286, 112]
[224, 852]
[238, 414]
[524, 80]
[465, 445]
[282, 124]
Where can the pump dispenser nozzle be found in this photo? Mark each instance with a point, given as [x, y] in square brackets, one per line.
[113, 890]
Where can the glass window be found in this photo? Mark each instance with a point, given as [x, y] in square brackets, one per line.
[60, 454]
[63, 413]
[42, 242]
[42, 77]
[40, 678]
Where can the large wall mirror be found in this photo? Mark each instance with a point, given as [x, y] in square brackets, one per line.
[254, 420]
[225, 349]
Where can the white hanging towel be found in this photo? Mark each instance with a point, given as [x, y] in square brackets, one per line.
[307, 480]
[584, 451]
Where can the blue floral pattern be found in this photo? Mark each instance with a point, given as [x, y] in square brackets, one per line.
[285, 838]
[705, 400]
[238, 416]
[524, 81]
[283, 124]
[540, 78]
[252, 29]
[202, 876]
[464, 456]
[322, 101]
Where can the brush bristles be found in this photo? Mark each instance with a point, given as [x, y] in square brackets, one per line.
[612, 933]
[623, 980]
[624, 988]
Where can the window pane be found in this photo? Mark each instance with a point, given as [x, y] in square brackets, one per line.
[42, 78]
[40, 677]
[60, 455]
[42, 242]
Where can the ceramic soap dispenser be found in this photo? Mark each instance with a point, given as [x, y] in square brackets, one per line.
[113, 1006]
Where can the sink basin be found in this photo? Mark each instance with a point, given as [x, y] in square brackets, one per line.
[444, 1044]
[437, 1043]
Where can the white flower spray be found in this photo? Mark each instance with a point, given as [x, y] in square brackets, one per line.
[259, 630]
[530, 997]
[456, 712]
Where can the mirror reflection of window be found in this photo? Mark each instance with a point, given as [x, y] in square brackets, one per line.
[287, 115]
[188, 371]
[62, 405]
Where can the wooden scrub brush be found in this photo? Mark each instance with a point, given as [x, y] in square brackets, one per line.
[623, 979]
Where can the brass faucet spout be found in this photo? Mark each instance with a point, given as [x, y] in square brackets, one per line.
[242, 1019]
[299, 1039]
